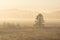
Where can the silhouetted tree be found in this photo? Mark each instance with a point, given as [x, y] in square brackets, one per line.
[39, 21]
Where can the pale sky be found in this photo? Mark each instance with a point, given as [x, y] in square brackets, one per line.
[36, 5]
[30, 4]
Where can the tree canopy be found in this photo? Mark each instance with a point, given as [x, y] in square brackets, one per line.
[39, 20]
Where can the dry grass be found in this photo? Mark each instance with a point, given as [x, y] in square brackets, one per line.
[30, 34]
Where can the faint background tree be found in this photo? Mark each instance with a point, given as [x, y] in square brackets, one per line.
[39, 22]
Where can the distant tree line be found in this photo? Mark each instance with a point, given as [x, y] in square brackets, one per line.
[10, 25]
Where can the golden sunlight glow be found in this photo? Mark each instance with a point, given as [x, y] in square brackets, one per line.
[12, 8]
[30, 4]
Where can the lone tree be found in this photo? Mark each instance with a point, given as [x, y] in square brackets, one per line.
[39, 21]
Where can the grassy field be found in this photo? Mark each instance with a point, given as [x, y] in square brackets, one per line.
[30, 33]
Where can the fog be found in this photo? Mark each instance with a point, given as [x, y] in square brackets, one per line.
[29, 19]
[22, 16]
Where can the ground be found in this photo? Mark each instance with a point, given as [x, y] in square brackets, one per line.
[30, 33]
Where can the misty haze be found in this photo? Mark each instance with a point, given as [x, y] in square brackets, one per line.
[29, 19]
